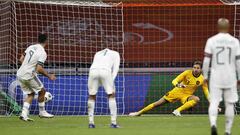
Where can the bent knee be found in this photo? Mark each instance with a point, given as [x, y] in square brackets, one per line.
[197, 99]
[92, 97]
[111, 95]
[41, 95]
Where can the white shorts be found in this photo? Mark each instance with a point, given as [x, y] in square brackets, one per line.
[229, 94]
[100, 77]
[31, 85]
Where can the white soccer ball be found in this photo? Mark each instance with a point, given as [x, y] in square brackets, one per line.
[48, 97]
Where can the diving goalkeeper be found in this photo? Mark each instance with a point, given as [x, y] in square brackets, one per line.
[185, 85]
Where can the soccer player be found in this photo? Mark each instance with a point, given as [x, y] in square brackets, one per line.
[103, 71]
[185, 85]
[223, 51]
[32, 63]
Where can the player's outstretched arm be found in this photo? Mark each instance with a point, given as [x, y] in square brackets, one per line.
[177, 81]
[42, 71]
[205, 90]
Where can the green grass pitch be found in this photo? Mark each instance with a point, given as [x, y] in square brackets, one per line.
[144, 125]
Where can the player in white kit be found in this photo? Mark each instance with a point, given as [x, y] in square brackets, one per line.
[32, 63]
[103, 71]
[223, 51]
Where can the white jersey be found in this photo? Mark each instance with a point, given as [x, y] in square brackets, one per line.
[224, 48]
[34, 54]
[107, 59]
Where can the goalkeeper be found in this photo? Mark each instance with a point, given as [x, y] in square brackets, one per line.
[185, 85]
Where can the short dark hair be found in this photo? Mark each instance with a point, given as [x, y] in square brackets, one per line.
[42, 38]
[197, 62]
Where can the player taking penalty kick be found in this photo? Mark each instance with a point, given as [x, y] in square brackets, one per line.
[185, 85]
[32, 63]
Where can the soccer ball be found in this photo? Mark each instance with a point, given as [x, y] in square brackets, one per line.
[48, 97]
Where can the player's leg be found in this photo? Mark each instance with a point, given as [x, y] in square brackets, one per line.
[168, 97]
[113, 110]
[230, 97]
[93, 84]
[37, 86]
[91, 106]
[151, 106]
[24, 84]
[229, 115]
[188, 102]
[26, 106]
[215, 99]
[41, 99]
[213, 113]
[41, 104]
[108, 84]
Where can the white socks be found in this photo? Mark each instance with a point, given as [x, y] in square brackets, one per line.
[229, 116]
[113, 110]
[213, 113]
[25, 109]
[112, 107]
[26, 105]
[41, 106]
[91, 106]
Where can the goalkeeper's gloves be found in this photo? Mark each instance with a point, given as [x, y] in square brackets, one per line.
[179, 85]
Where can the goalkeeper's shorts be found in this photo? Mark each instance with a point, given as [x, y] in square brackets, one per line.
[174, 96]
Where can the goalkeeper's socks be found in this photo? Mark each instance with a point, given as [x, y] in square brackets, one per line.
[229, 114]
[91, 106]
[147, 108]
[113, 110]
[41, 106]
[187, 105]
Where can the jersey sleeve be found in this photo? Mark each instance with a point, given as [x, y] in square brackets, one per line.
[208, 47]
[207, 59]
[42, 58]
[238, 59]
[238, 48]
[116, 66]
[26, 51]
[179, 78]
